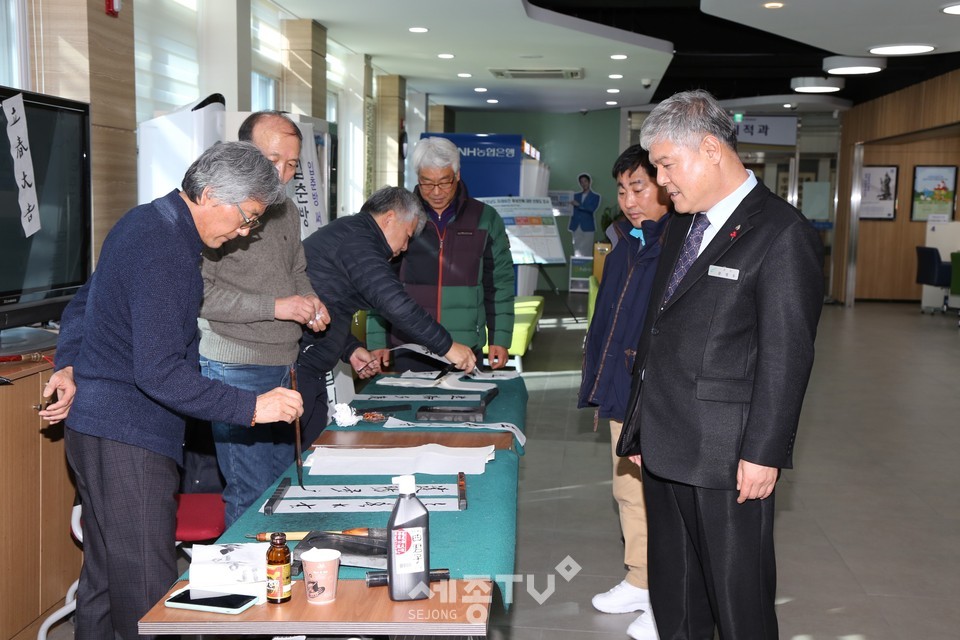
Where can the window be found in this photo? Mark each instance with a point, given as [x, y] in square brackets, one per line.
[266, 43]
[10, 48]
[166, 53]
[263, 92]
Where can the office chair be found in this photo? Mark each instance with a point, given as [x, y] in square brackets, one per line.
[934, 272]
[199, 518]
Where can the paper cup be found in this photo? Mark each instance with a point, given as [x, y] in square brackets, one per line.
[320, 569]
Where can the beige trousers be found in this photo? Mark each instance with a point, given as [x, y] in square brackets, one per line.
[628, 492]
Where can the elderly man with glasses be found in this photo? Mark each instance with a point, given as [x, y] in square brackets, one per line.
[459, 269]
[129, 341]
[256, 301]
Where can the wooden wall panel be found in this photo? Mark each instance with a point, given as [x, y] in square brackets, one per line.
[112, 73]
[304, 77]
[886, 255]
[886, 259]
[59, 48]
[114, 178]
[80, 52]
[941, 101]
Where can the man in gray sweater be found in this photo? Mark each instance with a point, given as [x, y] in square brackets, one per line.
[256, 301]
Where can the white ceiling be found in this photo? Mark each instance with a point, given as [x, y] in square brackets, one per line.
[487, 34]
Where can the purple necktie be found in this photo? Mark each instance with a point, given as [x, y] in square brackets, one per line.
[691, 247]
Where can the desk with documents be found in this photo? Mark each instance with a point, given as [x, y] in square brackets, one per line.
[477, 545]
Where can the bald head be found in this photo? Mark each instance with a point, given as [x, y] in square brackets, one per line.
[277, 137]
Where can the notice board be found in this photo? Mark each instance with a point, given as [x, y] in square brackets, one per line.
[532, 229]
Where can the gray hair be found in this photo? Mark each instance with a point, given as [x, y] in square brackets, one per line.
[685, 118]
[234, 172]
[436, 153]
[397, 199]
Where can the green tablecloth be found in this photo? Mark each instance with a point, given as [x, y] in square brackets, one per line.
[479, 541]
[510, 405]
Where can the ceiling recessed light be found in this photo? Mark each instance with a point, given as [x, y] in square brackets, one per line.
[464, 75]
[816, 85]
[418, 29]
[848, 66]
[493, 101]
[787, 105]
[773, 5]
[611, 103]
[613, 90]
[901, 49]
[952, 9]
[445, 56]
[615, 76]
[481, 89]
[618, 56]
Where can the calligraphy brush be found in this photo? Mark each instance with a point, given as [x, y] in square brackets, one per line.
[296, 437]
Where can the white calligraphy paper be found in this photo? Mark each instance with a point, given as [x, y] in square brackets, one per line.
[22, 163]
[450, 381]
[428, 458]
[425, 397]
[416, 348]
[357, 505]
[396, 423]
[356, 490]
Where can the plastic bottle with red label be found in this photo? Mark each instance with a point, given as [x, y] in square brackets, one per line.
[408, 557]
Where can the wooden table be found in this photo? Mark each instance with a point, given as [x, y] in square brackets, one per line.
[456, 608]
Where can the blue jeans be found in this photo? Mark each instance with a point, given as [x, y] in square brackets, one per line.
[250, 458]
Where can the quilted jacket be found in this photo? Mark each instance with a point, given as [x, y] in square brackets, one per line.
[348, 263]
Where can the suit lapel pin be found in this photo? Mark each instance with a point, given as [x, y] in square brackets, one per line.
[733, 234]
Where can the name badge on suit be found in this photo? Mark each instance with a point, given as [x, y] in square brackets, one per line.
[726, 273]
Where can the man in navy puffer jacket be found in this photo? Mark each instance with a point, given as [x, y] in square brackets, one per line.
[348, 263]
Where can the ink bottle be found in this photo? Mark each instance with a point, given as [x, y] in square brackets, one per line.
[278, 570]
[408, 556]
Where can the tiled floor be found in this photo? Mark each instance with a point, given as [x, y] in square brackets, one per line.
[868, 524]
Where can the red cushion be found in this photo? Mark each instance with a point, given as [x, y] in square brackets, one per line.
[199, 516]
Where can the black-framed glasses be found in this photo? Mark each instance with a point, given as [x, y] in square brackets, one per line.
[443, 185]
[248, 223]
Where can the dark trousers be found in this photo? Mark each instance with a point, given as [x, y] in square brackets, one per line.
[129, 526]
[711, 562]
[312, 385]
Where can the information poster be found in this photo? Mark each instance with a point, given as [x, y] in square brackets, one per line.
[878, 192]
[532, 229]
[934, 191]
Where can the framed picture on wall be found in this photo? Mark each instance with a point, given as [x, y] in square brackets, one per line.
[878, 192]
[934, 191]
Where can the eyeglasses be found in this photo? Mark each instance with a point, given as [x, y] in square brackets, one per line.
[443, 185]
[248, 223]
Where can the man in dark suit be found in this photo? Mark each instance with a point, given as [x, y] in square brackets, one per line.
[721, 370]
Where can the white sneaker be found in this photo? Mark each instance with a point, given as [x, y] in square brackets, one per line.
[623, 598]
[644, 627]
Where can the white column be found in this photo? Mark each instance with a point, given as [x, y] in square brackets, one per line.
[224, 51]
[351, 132]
